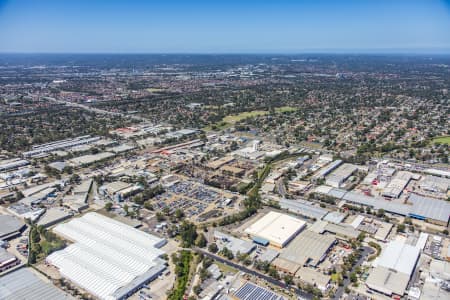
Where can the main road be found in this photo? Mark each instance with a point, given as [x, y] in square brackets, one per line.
[97, 110]
[302, 294]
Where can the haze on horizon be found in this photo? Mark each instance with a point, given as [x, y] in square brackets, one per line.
[249, 26]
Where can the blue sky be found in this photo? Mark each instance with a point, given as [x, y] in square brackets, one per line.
[232, 26]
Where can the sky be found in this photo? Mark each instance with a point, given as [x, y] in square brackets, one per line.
[224, 26]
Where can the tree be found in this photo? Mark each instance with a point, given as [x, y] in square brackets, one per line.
[353, 277]
[148, 205]
[108, 206]
[401, 228]
[201, 241]
[213, 248]
[188, 233]
[126, 209]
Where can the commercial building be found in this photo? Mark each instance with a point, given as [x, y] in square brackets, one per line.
[394, 268]
[10, 227]
[109, 259]
[24, 284]
[276, 228]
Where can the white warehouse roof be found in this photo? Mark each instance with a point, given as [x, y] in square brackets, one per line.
[106, 256]
[400, 257]
[276, 228]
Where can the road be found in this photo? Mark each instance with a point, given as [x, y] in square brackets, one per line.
[280, 187]
[267, 278]
[97, 110]
[340, 291]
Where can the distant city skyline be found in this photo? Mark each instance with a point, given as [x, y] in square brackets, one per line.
[249, 26]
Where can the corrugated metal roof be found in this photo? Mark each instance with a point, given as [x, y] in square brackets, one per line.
[106, 256]
[24, 284]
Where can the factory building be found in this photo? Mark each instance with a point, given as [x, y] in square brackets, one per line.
[275, 229]
[393, 269]
[107, 258]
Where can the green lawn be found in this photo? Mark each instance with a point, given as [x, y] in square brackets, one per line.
[285, 109]
[442, 140]
[231, 119]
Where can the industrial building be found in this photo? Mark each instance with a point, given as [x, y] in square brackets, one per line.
[6, 165]
[118, 190]
[303, 208]
[233, 244]
[59, 145]
[109, 259]
[327, 169]
[10, 227]
[308, 248]
[24, 284]
[251, 291]
[396, 186]
[394, 268]
[275, 228]
[7, 260]
[89, 159]
[53, 215]
[419, 207]
[340, 175]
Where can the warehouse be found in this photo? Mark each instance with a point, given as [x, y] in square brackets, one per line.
[419, 207]
[308, 248]
[24, 284]
[327, 169]
[233, 244]
[395, 188]
[276, 228]
[394, 268]
[303, 208]
[109, 259]
[6, 165]
[10, 227]
[340, 175]
[89, 159]
[251, 291]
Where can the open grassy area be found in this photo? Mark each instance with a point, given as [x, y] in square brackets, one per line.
[442, 140]
[231, 119]
[285, 109]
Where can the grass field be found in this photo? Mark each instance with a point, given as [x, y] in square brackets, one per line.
[232, 119]
[442, 140]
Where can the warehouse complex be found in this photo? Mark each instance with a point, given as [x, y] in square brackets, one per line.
[275, 229]
[109, 259]
[419, 207]
[394, 268]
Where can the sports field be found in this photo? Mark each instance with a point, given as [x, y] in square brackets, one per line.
[442, 140]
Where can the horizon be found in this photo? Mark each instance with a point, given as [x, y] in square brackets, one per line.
[232, 27]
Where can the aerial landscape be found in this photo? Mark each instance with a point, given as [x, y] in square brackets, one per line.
[170, 151]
